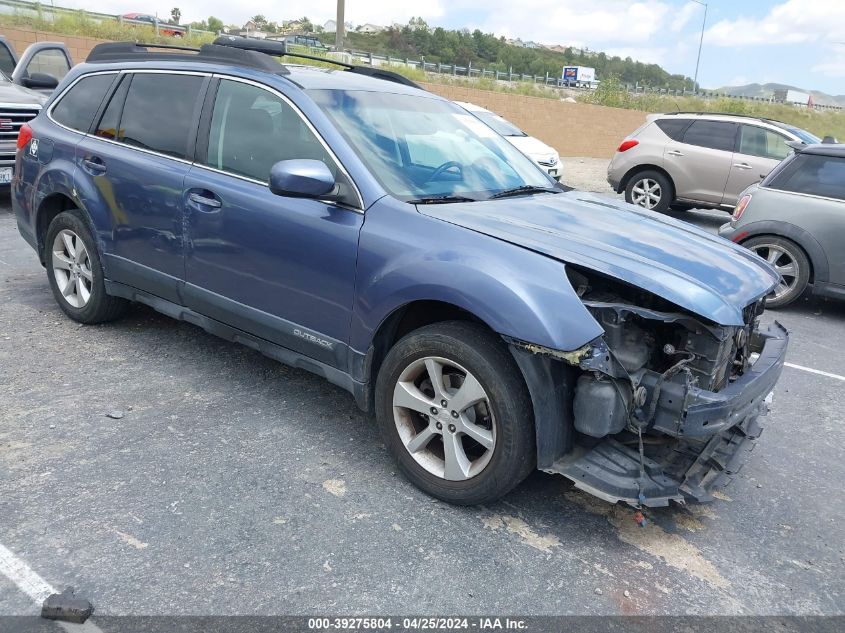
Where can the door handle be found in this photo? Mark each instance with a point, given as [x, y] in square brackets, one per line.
[742, 166]
[674, 152]
[94, 165]
[204, 201]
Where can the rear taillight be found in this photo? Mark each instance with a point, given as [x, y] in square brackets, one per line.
[741, 206]
[627, 144]
[24, 136]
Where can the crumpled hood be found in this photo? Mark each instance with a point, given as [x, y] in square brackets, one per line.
[703, 273]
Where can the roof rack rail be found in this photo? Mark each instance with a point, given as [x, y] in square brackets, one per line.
[132, 51]
[744, 116]
[229, 49]
[279, 48]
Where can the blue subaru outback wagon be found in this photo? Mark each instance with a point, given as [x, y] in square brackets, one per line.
[349, 223]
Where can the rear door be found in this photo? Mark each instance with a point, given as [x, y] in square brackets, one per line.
[758, 152]
[700, 162]
[133, 167]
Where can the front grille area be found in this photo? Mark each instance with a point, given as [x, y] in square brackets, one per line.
[11, 120]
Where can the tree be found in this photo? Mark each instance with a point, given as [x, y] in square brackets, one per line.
[259, 20]
[307, 27]
[215, 24]
[175, 15]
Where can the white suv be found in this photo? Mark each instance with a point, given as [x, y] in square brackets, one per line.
[693, 159]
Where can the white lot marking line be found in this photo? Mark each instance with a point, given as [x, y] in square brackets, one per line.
[815, 371]
[34, 586]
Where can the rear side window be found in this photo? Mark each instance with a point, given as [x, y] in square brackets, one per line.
[713, 134]
[757, 141]
[77, 108]
[812, 174]
[673, 128]
[110, 120]
[158, 114]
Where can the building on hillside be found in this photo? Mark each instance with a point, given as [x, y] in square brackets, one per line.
[370, 29]
[330, 26]
[291, 26]
[515, 42]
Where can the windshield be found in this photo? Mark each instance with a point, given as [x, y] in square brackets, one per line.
[804, 135]
[419, 147]
[502, 126]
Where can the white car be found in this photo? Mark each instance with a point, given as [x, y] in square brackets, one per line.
[546, 157]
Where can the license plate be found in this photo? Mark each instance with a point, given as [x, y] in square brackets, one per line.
[5, 175]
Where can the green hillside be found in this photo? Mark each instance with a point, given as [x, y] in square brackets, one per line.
[486, 51]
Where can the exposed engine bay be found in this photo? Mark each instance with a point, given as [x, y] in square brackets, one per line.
[665, 403]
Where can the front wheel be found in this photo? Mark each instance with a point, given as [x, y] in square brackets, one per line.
[455, 413]
[790, 261]
[650, 190]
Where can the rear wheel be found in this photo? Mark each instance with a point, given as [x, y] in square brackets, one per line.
[75, 273]
[789, 260]
[650, 190]
[455, 413]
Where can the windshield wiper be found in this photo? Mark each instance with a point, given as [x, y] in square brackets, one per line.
[515, 191]
[445, 199]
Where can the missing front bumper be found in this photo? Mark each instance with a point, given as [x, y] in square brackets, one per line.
[686, 471]
[696, 447]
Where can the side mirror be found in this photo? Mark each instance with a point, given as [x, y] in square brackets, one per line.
[302, 178]
[829, 140]
[40, 81]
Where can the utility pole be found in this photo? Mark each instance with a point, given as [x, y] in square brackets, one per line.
[340, 28]
[700, 42]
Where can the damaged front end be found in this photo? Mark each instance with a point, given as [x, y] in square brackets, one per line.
[664, 406]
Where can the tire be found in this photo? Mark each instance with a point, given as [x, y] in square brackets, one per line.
[500, 447]
[650, 188]
[73, 265]
[789, 260]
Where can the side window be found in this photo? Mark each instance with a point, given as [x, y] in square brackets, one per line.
[77, 108]
[812, 174]
[673, 128]
[7, 61]
[757, 141]
[713, 134]
[252, 129]
[158, 113]
[50, 61]
[109, 122]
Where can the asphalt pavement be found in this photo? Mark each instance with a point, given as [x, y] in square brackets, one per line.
[234, 485]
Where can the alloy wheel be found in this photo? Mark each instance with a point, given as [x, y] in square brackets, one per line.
[784, 263]
[72, 268]
[444, 418]
[646, 193]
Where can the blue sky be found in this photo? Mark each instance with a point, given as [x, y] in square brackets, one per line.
[785, 41]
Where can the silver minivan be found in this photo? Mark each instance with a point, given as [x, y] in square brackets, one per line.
[691, 159]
